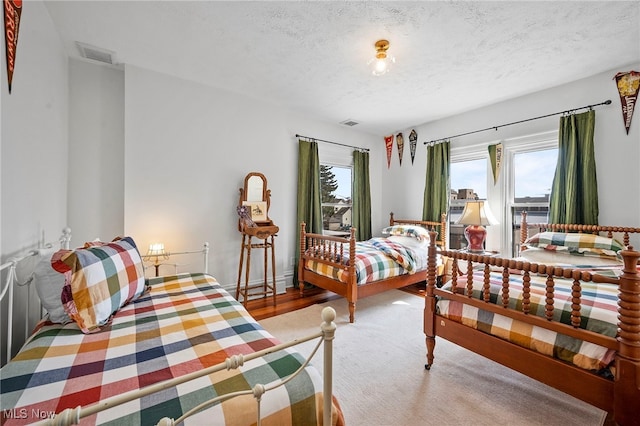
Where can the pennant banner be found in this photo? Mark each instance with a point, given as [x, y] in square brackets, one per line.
[400, 143]
[628, 84]
[495, 155]
[12, 12]
[388, 142]
[413, 142]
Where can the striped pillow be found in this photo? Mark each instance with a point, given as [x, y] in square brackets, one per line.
[100, 279]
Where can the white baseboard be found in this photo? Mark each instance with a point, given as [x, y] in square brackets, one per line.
[282, 283]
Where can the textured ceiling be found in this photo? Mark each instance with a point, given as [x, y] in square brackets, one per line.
[311, 56]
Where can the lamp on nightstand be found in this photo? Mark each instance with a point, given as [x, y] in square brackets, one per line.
[156, 253]
[476, 215]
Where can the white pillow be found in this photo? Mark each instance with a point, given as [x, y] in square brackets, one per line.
[49, 283]
[410, 242]
[559, 258]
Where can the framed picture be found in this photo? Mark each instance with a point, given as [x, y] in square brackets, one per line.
[257, 210]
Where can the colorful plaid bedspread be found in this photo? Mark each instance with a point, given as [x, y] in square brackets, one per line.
[183, 324]
[598, 314]
[376, 259]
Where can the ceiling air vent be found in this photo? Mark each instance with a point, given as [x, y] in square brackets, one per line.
[349, 122]
[96, 53]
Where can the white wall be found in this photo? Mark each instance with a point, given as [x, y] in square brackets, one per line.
[617, 154]
[188, 148]
[34, 140]
[96, 151]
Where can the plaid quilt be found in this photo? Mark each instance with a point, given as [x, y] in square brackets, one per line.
[376, 259]
[184, 323]
[598, 314]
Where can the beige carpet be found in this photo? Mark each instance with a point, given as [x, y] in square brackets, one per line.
[379, 375]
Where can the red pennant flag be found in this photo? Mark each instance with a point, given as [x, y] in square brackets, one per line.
[628, 84]
[12, 12]
[400, 143]
[388, 142]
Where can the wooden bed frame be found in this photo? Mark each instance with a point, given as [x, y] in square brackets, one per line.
[620, 397]
[327, 250]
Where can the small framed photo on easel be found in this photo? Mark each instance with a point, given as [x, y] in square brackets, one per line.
[257, 210]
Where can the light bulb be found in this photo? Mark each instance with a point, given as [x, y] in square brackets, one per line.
[381, 66]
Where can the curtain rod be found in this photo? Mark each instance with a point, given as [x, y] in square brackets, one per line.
[335, 143]
[569, 111]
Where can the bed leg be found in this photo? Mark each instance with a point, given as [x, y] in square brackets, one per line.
[609, 421]
[431, 345]
[352, 312]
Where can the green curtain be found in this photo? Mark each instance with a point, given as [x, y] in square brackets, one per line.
[436, 187]
[309, 208]
[574, 193]
[361, 195]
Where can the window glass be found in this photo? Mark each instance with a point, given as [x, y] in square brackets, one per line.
[468, 181]
[335, 188]
[533, 176]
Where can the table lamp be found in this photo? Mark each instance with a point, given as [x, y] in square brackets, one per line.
[476, 215]
[156, 253]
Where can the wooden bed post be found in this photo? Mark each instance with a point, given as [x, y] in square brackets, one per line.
[352, 291]
[303, 244]
[391, 221]
[443, 227]
[627, 383]
[430, 300]
[523, 229]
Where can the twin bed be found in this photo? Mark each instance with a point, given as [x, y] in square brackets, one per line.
[566, 313]
[177, 348]
[354, 269]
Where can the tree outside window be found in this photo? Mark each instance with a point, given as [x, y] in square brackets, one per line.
[335, 190]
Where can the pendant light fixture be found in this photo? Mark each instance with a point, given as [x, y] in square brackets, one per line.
[382, 62]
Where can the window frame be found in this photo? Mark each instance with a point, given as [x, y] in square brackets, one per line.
[502, 194]
[336, 156]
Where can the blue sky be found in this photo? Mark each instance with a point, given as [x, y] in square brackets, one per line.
[533, 176]
[343, 176]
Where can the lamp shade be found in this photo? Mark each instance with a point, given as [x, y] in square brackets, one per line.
[156, 249]
[476, 213]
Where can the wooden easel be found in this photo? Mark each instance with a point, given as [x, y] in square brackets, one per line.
[254, 222]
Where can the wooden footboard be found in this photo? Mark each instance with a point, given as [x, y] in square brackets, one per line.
[329, 252]
[619, 396]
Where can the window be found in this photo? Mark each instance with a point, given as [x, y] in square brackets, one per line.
[335, 189]
[532, 179]
[524, 183]
[468, 182]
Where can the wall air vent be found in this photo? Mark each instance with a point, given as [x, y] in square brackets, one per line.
[96, 53]
[349, 122]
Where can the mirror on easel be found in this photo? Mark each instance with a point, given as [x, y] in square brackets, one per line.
[256, 198]
[254, 222]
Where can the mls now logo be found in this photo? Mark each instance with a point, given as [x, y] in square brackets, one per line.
[23, 413]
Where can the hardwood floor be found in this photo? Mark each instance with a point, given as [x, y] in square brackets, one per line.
[290, 301]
